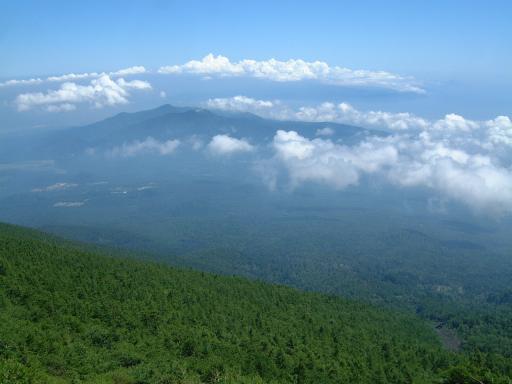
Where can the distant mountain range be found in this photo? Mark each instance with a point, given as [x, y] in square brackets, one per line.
[169, 122]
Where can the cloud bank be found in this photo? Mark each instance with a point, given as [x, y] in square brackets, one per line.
[294, 70]
[100, 92]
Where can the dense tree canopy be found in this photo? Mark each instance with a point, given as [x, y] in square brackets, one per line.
[72, 315]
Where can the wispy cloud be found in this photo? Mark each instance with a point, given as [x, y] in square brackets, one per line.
[103, 91]
[294, 70]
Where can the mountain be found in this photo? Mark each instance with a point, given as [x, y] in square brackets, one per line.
[168, 122]
[69, 314]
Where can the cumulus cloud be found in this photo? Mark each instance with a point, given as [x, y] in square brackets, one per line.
[227, 145]
[149, 145]
[103, 91]
[135, 70]
[294, 70]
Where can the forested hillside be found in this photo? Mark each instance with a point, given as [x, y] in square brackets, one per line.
[71, 315]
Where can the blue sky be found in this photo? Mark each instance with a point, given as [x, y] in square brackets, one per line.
[458, 50]
[434, 38]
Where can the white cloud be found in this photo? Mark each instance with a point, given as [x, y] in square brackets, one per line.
[136, 70]
[475, 179]
[55, 187]
[102, 91]
[294, 70]
[226, 145]
[324, 161]
[149, 145]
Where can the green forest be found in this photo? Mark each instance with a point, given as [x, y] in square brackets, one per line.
[71, 314]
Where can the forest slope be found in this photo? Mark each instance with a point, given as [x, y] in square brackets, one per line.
[71, 315]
